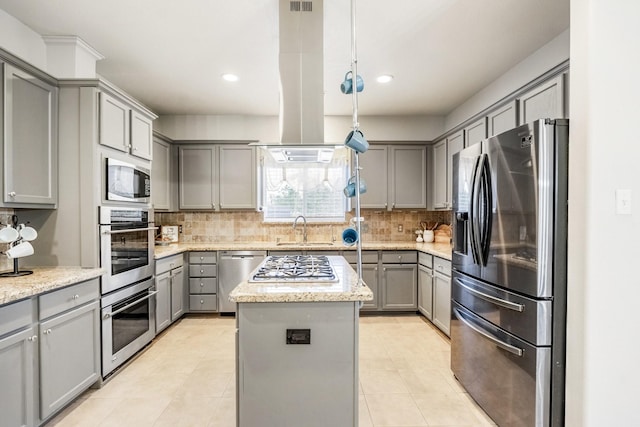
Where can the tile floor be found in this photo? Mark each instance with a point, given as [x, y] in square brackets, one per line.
[186, 378]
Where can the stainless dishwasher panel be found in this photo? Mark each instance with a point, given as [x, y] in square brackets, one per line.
[528, 318]
[508, 377]
[234, 267]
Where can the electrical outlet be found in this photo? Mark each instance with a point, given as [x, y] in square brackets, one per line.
[180, 229]
[400, 228]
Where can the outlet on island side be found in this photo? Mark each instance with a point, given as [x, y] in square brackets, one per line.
[400, 228]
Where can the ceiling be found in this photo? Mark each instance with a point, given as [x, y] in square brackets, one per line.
[171, 54]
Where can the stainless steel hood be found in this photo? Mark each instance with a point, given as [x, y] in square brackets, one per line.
[301, 72]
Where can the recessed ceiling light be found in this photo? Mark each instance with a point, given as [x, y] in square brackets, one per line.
[230, 77]
[385, 78]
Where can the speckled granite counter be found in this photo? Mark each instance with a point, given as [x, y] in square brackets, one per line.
[43, 279]
[442, 250]
[346, 288]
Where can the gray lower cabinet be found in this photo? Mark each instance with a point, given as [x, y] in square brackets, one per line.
[29, 136]
[17, 348]
[69, 361]
[442, 294]
[399, 280]
[425, 285]
[170, 285]
[203, 281]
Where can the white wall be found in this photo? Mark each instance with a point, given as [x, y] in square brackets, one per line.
[603, 350]
[21, 41]
[266, 128]
[544, 59]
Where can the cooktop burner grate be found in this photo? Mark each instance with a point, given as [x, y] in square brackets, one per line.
[302, 268]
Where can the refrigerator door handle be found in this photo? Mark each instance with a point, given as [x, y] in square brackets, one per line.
[487, 215]
[473, 213]
[503, 345]
[490, 298]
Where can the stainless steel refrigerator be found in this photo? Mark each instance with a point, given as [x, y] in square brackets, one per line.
[509, 273]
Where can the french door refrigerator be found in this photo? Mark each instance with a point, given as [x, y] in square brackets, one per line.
[509, 273]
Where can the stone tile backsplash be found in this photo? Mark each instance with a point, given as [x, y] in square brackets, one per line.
[247, 226]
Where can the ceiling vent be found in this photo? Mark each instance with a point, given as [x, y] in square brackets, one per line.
[301, 72]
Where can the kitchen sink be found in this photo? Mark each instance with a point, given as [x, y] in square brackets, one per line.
[305, 244]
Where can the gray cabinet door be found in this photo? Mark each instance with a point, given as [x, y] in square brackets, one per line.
[455, 143]
[238, 184]
[163, 301]
[69, 356]
[114, 128]
[370, 277]
[399, 286]
[409, 177]
[543, 101]
[198, 183]
[30, 138]
[160, 175]
[442, 302]
[503, 119]
[425, 291]
[141, 135]
[374, 166]
[16, 377]
[475, 132]
[177, 293]
[439, 175]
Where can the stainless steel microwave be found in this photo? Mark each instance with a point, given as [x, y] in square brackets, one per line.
[127, 182]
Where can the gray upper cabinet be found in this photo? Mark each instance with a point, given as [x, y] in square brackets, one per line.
[163, 175]
[455, 144]
[374, 172]
[217, 176]
[439, 175]
[238, 171]
[503, 118]
[29, 133]
[123, 128]
[408, 184]
[198, 178]
[543, 101]
[475, 132]
[396, 177]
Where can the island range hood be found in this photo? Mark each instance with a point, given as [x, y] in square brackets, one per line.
[301, 72]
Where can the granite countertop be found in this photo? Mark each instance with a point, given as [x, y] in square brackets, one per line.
[346, 288]
[43, 279]
[442, 250]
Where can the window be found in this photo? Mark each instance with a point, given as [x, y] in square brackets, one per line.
[313, 188]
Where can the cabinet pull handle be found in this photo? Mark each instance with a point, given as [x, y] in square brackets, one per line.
[201, 271]
[384, 269]
[33, 338]
[76, 296]
[47, 332]
[12, 194]
[201, 301]
[202, 285]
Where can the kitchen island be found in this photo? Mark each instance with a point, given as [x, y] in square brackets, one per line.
[297, 350]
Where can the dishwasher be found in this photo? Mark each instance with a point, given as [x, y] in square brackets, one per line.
[234, 267]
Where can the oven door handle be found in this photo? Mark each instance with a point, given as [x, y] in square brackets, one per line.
[503, 345]
[121, 309]
[129, 230]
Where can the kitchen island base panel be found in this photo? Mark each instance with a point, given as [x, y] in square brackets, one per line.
[314, 384]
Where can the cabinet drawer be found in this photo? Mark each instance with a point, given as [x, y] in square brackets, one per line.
[203, 257]
[203, 270]
[204, 285]
[442, 266]
[203, 303]
[425, 259]
[368, 257]
[169, 263]
[68, 298]
[15, 316]
[399, 257]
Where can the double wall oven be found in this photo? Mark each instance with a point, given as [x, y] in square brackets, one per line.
[128, 307]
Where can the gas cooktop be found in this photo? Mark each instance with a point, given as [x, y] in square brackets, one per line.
[295, 268]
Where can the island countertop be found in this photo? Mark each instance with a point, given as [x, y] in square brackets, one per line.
[346, 288]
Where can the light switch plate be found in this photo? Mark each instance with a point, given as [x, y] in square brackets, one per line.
[623, 202]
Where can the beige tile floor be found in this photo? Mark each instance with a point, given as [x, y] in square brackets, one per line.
[186, 378]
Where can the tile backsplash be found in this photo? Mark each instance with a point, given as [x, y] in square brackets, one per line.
[247, 226]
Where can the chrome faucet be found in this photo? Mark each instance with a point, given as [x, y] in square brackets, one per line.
[304, 229]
